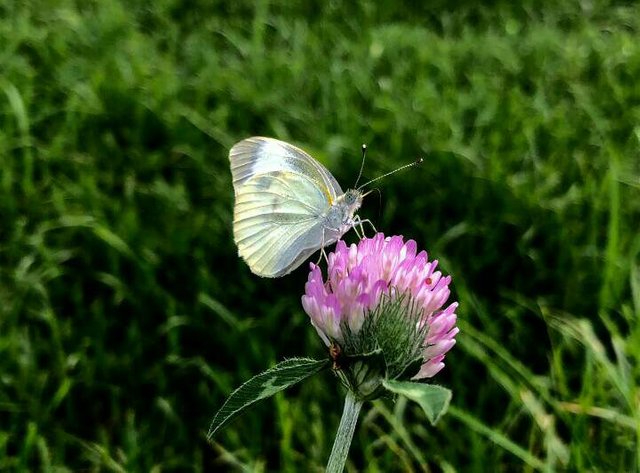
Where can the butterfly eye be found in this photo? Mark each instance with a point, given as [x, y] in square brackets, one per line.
[350, 197]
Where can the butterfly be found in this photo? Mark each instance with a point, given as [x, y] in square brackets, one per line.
[287, 205]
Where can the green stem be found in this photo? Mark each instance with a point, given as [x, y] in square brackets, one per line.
[344, 436]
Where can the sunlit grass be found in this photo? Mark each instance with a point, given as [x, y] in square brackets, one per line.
[126, 316]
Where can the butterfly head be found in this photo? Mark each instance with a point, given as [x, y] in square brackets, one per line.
[350, 202]
[340, 215]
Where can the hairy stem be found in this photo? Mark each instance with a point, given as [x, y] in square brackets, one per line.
[344, 435]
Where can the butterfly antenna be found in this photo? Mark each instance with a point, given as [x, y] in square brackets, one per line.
[415, 163]
[364, 155]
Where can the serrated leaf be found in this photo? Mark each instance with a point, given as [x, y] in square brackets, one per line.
[433, 399]
[264, 385]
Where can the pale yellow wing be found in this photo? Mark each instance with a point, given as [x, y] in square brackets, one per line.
[259, 155]
[282, 196]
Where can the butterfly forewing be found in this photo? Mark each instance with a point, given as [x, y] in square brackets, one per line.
[259, 155]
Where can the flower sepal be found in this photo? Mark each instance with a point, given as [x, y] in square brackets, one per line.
[412, 368]
[362, 374]
[388, 346]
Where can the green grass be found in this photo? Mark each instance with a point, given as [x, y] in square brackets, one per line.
[126, 317]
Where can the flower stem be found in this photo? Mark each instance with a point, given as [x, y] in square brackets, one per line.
[344, 435]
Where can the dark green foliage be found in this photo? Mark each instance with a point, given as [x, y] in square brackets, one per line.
[126, 317]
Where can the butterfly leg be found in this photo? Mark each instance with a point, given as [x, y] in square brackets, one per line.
[358, 222]
[322, 252]
[359, 231]
[373, 227]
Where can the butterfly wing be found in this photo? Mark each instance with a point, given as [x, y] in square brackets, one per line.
[281, 195]
[259, 155]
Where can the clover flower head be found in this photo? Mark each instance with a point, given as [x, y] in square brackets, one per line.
[382, 296]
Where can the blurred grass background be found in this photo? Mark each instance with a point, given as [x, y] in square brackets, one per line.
[126, 316]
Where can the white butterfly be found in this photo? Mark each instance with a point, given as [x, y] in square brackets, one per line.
[287, 205]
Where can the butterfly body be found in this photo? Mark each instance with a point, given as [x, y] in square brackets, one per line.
[287, 205]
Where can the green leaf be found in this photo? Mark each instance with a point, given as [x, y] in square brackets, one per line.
[112, 239]
[433, 399]
[264, 385]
